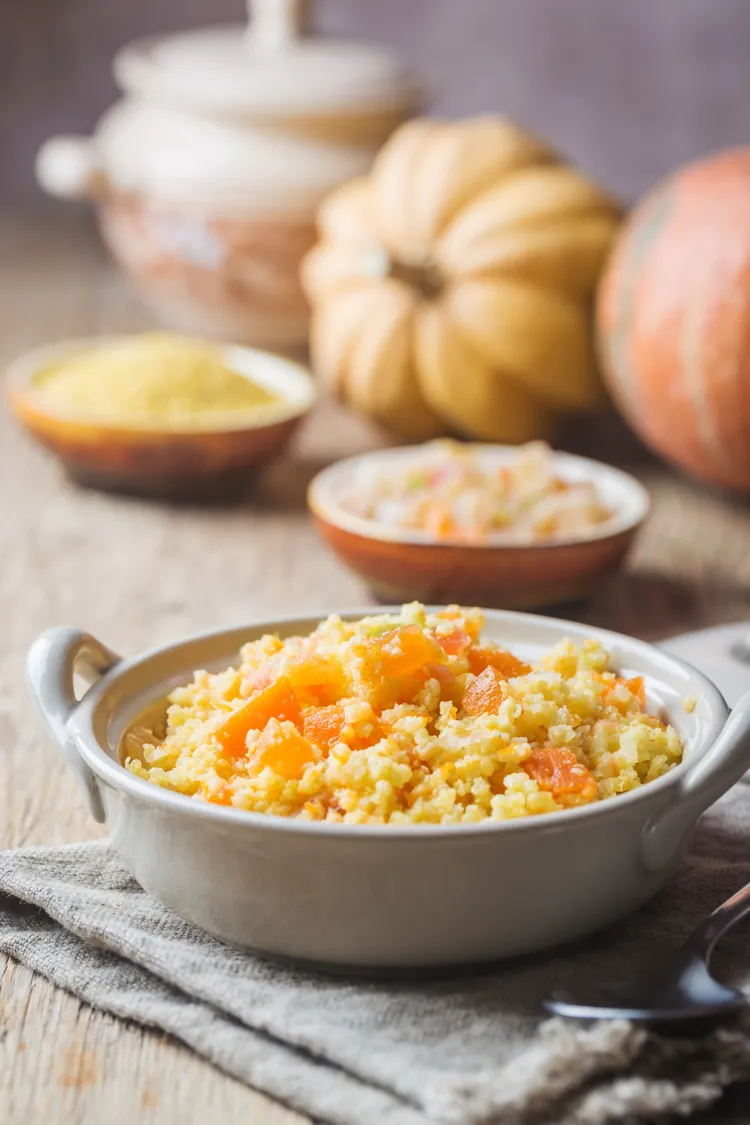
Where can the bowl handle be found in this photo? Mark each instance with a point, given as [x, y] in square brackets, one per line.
[706, 781]
[53, 660]
[69, 168]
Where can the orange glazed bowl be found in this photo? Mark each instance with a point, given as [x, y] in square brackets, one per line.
[403, 564]
[181, 464]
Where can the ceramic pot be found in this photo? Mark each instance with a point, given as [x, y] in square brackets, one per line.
[209, 171]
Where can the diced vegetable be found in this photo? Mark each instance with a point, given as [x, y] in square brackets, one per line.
[438, 522]
[316, 679]
[405, 650]
[638, 688]
[277, 701]
[484, 694]
[439, 672]
[455, 643]
[505, 663]
[472, 623]
[221, 796]
[282, 748]
[558, 771]
[323, 725]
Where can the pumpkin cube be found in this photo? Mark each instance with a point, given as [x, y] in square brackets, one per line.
[404, 651]
[277, 701]
[558, 771]
[455, 643]
[283, 749]
[323, 725]
[484, 694]
[316, 679]
[505, 663]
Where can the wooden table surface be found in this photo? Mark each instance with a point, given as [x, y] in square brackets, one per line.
[137, 575]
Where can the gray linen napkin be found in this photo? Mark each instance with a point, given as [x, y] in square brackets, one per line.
[469, 1049]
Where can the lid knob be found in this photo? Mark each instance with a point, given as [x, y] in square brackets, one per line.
[273, 24]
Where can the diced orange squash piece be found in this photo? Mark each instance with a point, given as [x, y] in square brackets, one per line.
[405, 650]
[472, 625]
[283, 749]
[439, 672]
[484, 694]
[376, 730]
[277, 701]
[455, 643]
[316, 678]
[309, 669]
[221, 796]
[323, 725]
[638, 689]
[505, 663]
[558, 771]
[635, 686]
[438, 521]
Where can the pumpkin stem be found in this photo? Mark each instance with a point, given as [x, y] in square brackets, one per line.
[424, 276]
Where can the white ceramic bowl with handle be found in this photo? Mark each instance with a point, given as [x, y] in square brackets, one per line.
[385, 896]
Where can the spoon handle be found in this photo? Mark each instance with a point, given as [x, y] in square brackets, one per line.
[702, 941]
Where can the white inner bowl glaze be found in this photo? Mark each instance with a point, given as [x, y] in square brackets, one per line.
[621, 493]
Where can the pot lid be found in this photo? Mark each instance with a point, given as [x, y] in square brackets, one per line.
[265, 68]
[172, 156]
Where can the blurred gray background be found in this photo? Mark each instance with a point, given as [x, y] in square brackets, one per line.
[628, 88]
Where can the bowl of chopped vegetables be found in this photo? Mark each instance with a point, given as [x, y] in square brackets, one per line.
[515, 527]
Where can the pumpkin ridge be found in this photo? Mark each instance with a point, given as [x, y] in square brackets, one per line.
[618, 293]
[473, 398]
[446, 164]
[333, 351]
[530, 208]
[560, 255]
[507, 376]
[386, 343]
[543, 336]
[692, 352]
[391, 175]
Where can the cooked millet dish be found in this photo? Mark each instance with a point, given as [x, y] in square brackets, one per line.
[407, 718]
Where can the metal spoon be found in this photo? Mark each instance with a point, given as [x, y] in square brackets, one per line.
[681, 992]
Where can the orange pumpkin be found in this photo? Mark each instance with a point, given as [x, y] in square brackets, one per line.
[674, 319]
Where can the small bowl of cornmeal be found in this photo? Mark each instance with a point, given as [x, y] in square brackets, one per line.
[157, 414]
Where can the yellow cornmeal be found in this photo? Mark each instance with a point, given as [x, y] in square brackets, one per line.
[430, 746]
[152, 380]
